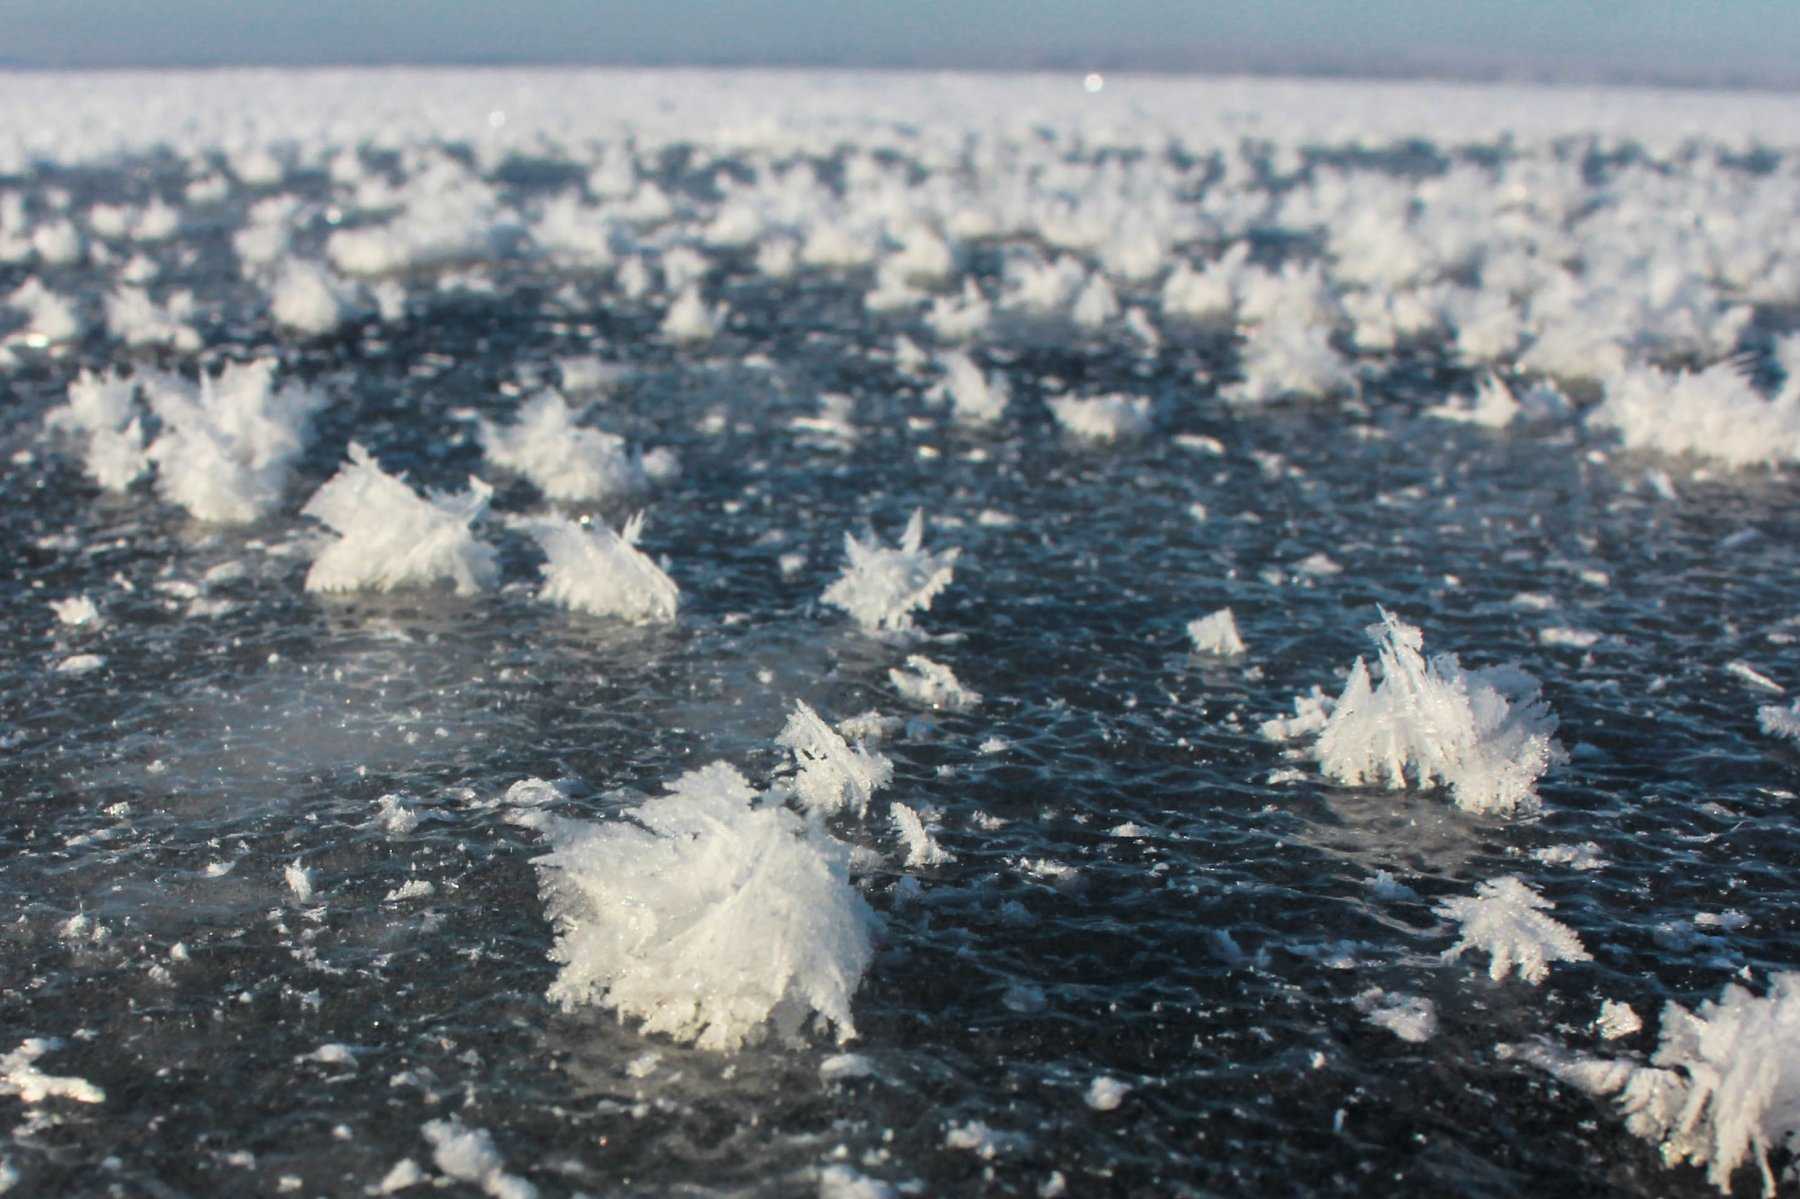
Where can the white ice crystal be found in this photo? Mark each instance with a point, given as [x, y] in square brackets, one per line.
[1290, 360]
[975, 398]
[468, 1155]
[1216, 634]
[922, 848]
[834, 776]
[690, 321]
[101, 411]
[388, 536]
[307, 298]
[880, 587]
[1722, 1089]
[1409, 1017]
[562, 459]
[1505, 919]
[1484, 734]
[1715, 413]
[933, 685]
[1778, 721]
[709, 914]
[1102, 418]
[590, 568]
[19, 1076]
[227, 446]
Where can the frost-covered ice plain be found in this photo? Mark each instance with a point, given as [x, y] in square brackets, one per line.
[768, 633]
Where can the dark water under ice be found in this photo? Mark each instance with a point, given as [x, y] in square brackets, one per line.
[1210, 961]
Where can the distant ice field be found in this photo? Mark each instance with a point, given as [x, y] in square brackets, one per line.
[774, 633]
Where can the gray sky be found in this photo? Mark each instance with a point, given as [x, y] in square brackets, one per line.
[1756, 40]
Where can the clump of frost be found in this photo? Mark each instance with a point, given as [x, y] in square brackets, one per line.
[1102, 418]
[922, 848]
[389, 537]
[562, 459]
[77, 611]
[710, 913]
[1721, 1090]
[933, 685]
[137, 320]
[468, 1155]
[880, 587]
[101, 411]
[1777, 721]
[1216, 634]
[227, 446]
[1410, 1017]
[593, 569]
[1505, 919]
[690, 321]
[1104, 1093]
[1484, 734]
[1284, 359]
[19, 1076]
[307, 298]
[834, 776]
[1715, 413]
[975, 398]
[48, 316]
[1617, 1020]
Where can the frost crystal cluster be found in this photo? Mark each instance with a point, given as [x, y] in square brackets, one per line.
[711, 913]
[1505, 920]
[1484, 734]
[595, 570]
[388, 536]
[1722, 1089]
[880, 587]
[563, 460]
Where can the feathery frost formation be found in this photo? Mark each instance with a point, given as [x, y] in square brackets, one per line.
[102, 414]
[711, 913]
[566, 461]
[1486, 735]
[881, 587]
[592, 569]
[1505, 920]
[389, 537]
[1722, 1089]
[227, 446]
[833, 776]
[1715, 413]
[932, 684]
[1216, 634]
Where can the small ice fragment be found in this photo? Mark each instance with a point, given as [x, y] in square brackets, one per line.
[1216, 634]
[1616, 1020]
[1585, 856]
[1754, 677]
[405, 1173]
[412, 888]
[922, 848]
[76, 611]
[80, 664]
[1104, 1094]
[1102, 418]
[1777, 721]
[333, 1054]
[986, 1143]
[1567, 637]
[1409, 1017]
[19, 1076]
[841, 1067]
[643, 1065]
[468, 1155]
[933, 685]
[841, 1182]
[299, 881]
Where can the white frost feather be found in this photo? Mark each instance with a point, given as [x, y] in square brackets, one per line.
[1505, 919]
[389, 537]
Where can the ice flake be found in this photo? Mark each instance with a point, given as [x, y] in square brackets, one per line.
[922, 848]
[468, 1155]
[1409, 1017]
[1505, 919]
[1102, 418]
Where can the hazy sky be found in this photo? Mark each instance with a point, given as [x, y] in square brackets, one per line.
[1703, 39]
